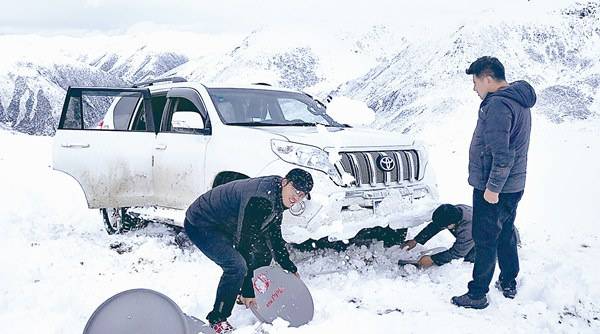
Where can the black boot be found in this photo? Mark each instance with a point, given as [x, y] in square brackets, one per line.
[467, 301]
[509, 291]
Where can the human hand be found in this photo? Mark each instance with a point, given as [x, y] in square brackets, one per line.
[409, 244]
[297, 275]
[490, 196]
[249, 302]
[425, 261]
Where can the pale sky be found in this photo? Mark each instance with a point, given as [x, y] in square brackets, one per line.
[119, 16]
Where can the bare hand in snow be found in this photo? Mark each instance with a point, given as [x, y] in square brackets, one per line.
[409, 244]
[425, 261]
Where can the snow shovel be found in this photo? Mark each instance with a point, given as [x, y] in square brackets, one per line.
[142, 311]
[413, 257]
[280, 294]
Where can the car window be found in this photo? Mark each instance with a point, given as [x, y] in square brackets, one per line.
[123, 111]
[185, 117]
[86, 108]
[158, 106]
[139, 123]
[296, 110]
[258, 107]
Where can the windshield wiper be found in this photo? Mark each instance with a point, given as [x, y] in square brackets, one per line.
[255, 124]
[336, 125]
[301, 124]
[289, 124]
[275, 124]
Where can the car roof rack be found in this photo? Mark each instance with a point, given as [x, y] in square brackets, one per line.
[261, 84]
[152, 82]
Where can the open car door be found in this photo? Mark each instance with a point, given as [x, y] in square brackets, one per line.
[113, 166]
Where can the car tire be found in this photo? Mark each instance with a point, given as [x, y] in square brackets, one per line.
[116, 220]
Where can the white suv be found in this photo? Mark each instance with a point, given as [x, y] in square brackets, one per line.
[162, 144]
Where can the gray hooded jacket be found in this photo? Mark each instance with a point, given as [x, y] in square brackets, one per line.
[498, 152]
[462, 247]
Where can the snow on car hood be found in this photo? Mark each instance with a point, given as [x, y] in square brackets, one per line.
[325, 137]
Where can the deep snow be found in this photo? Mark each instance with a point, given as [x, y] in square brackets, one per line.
[58, 263]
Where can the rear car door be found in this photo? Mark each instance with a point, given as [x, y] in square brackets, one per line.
[180, 150]
[112, 165]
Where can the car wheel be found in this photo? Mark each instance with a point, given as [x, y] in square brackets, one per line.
[115, 220]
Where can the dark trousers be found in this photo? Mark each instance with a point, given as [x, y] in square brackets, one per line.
[237, 270]
[495, 237]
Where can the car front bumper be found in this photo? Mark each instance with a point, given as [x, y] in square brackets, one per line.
[339, 213]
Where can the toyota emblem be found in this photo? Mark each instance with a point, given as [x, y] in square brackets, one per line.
[386, 163]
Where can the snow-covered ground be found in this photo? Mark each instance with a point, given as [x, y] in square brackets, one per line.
[58, 264]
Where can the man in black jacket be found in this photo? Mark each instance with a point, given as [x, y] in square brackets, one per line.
[237, 225]
[497, 170]
[455, 218]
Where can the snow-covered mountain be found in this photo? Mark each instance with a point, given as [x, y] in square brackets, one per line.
[140, 66]
[409, 77]
[557, 53]
[297, 59]
[34, 79]
[33, 93]
[33, 86]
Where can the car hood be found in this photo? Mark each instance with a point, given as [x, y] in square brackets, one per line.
[342, 138]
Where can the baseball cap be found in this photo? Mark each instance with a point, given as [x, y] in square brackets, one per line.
[301, 179]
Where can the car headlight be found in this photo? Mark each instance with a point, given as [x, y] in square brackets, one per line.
[305, 156]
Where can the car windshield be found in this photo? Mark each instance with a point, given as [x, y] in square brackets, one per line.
[261, 107]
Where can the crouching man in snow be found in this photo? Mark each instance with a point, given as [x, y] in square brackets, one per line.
[238, 226]
[458, 220]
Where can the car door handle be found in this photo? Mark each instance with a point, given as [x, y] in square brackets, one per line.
[160, 147]
[75, 145]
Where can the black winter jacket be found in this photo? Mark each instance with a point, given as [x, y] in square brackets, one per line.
[245, 211]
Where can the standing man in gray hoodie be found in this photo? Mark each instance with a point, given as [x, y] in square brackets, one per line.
[497, 169]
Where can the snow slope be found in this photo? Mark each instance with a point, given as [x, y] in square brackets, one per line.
[58, 264]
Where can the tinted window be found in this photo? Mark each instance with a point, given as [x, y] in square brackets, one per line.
[158, 106]
[123, 111]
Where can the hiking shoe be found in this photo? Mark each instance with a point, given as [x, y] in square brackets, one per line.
[222, 327]
[467, 302]
[508, 292]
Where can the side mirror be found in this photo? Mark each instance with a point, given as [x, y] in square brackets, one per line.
[188, 122]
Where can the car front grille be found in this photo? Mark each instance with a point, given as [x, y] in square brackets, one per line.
[366, 167]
